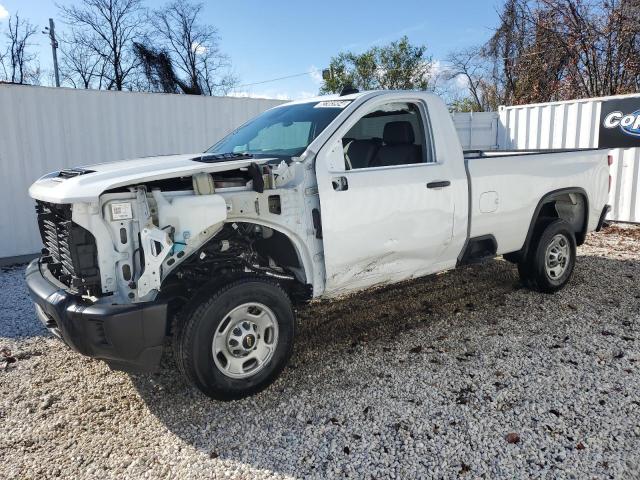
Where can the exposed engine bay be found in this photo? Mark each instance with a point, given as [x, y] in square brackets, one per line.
[193, 229]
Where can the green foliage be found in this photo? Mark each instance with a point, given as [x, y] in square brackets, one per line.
[396, 66]
[465, 104]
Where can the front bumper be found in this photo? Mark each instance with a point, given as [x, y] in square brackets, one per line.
[128, 337]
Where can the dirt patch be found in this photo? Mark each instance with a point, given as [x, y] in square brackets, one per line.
[623, 230]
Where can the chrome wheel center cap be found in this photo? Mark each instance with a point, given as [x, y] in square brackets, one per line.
[249, 342]
[243, 338]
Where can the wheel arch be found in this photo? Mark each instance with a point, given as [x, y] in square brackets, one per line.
[298, 245]
[287, 250]
[574, 207]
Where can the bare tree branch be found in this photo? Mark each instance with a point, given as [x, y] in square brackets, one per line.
[107, 29]
[19, 65]
[470, 65]
[193, 47]
[545, 50]
[80, 66]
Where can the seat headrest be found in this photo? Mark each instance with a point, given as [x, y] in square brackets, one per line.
[398, 133]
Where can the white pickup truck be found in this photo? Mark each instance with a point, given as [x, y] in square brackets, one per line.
[315, 198]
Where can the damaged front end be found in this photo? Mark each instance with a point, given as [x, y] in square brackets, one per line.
[114, 270]
[192, 229]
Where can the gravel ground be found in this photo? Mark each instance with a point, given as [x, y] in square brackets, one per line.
[462, 374]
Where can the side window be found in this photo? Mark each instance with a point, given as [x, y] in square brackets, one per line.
[392, 134]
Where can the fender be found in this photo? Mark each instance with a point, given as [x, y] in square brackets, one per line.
[580, 235]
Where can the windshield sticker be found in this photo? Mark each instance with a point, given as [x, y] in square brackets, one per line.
[332, 104]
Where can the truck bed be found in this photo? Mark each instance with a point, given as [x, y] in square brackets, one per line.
[506, 187]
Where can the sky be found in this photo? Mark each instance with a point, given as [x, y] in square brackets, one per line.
[267, 40]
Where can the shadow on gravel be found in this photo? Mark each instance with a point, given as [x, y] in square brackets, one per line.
[17, 314]
[318, 391]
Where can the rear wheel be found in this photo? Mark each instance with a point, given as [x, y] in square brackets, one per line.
[237, 340]
[551, 259]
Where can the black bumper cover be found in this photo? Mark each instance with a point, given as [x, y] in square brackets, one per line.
[128, 337]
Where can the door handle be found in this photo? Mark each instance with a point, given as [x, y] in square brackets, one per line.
[340, 184]
[439, 184]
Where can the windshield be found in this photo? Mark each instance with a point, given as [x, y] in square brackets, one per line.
[282, 131]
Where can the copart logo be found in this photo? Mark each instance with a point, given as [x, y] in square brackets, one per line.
[629, 124]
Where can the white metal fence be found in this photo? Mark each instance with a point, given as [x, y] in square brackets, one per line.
[45, 129]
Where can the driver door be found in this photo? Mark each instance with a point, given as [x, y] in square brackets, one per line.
[387, 205]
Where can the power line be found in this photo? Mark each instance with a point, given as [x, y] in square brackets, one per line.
[310, 72]
[279, 78]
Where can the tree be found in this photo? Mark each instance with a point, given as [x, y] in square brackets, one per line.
[470, 66]
[107, 29]
[527, 65]
[191, 47]
[601, 42]
[547, 50]
[159, 72]
[19, 65]
[80, 65]
[507, 46]
[463, 104]
[398, 65]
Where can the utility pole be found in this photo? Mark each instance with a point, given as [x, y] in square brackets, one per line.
[51, 31]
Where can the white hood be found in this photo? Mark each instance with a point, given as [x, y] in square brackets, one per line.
[105, 176]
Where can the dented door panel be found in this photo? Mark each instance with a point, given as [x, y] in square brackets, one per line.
[385, 224]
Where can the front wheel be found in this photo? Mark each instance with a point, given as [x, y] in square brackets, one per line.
[551, 259]
[237, 340]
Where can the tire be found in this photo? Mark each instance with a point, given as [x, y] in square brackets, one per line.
[234, 342]
[552, 256]
[525, 268]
